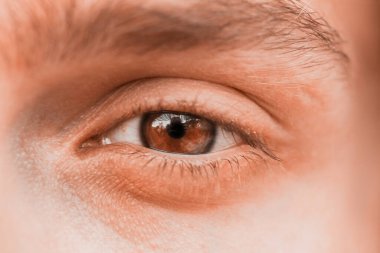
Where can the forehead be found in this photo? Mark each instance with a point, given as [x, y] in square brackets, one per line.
[71, 25]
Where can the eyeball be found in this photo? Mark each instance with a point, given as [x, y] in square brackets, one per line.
[173, 132]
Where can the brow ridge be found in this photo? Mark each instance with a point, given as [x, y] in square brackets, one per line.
[69, 31]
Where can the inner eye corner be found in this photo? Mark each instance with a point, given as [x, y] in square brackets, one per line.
[88, 142]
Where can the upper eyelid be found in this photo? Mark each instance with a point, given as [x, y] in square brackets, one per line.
[114, 103]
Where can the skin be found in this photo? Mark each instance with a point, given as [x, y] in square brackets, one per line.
[317, 192]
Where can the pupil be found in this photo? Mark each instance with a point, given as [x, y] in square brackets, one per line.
[176, 129]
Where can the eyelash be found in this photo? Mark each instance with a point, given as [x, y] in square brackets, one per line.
[149, 156]
[254, 141]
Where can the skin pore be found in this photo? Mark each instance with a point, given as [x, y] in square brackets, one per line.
[281, 74]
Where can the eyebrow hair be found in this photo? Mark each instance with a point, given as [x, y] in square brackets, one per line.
[67, 30]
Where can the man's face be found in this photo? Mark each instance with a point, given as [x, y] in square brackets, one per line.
[189, 126]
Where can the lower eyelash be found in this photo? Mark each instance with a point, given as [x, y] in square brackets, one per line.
[212, 167]
[168, 163]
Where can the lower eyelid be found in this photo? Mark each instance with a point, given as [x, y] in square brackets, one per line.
[171, 181]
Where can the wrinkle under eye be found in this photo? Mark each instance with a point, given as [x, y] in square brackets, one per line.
[177, 132]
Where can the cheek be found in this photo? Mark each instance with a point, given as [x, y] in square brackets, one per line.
[302, 216]
[292, 217]
[295, 213]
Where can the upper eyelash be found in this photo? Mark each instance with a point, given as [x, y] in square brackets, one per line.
[251, 138]
[255, 142]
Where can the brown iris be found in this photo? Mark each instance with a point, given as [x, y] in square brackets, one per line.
[177, 132]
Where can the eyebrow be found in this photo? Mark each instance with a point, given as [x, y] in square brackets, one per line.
[66, 31]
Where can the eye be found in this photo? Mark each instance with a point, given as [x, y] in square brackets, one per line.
[171, 143]
[172, 132]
